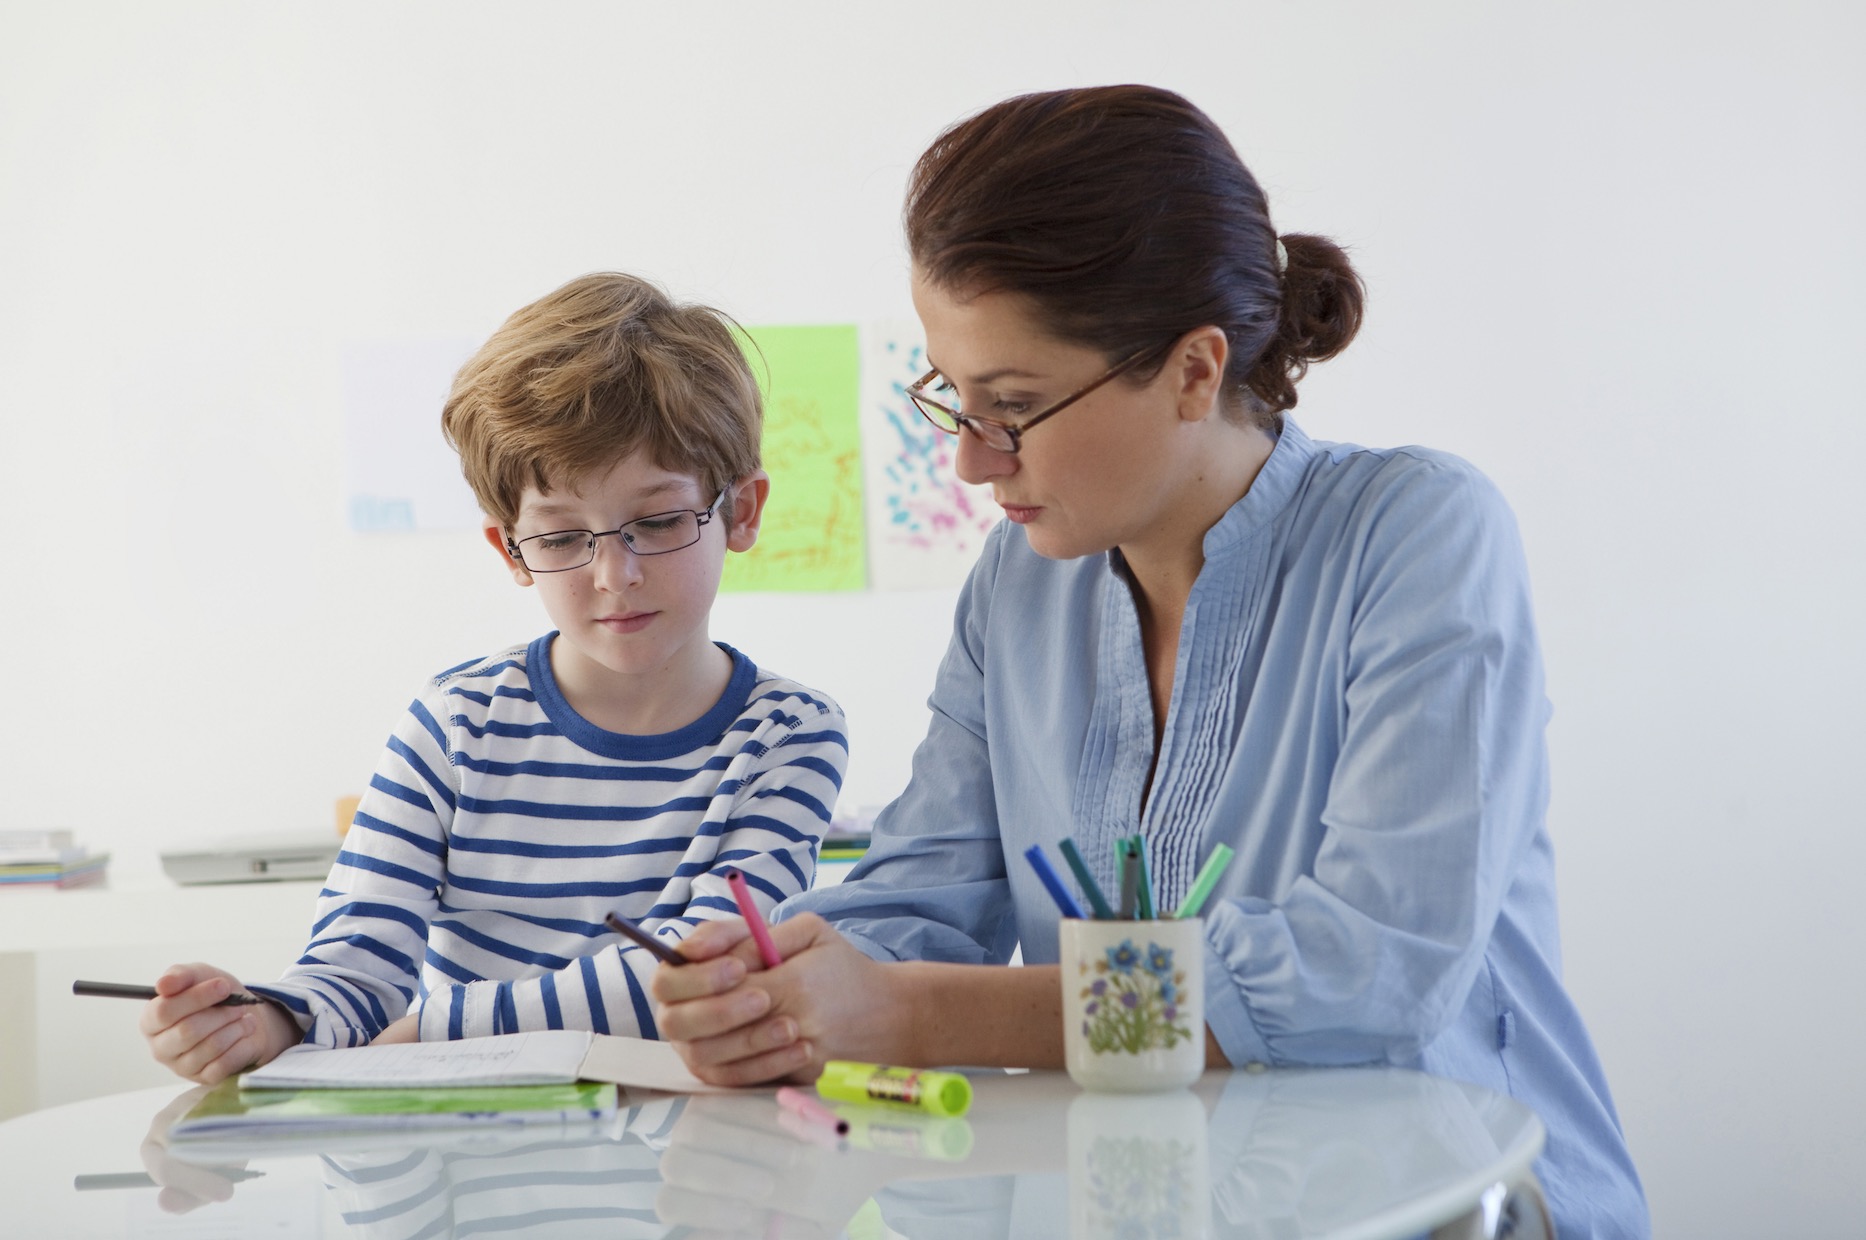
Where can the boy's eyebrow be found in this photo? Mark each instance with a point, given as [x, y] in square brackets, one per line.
[553, 508]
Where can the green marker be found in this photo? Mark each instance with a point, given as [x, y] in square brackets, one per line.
[1097, 901]
[1207, 879]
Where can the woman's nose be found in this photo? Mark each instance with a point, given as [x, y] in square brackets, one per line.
[978, 462]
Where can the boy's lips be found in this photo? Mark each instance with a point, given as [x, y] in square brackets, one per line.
[626, 622]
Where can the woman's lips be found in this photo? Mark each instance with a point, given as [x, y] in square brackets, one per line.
[1020, 514]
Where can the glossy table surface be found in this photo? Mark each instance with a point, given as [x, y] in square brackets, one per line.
[1340, 1153]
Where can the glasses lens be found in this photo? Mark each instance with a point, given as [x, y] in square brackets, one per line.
[556, 551]
[937, 414]
[667, 531]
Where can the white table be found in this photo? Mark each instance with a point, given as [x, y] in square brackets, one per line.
[1353, 1154]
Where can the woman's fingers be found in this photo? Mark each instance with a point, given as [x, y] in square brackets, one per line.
[688, 982]
[774, 1065]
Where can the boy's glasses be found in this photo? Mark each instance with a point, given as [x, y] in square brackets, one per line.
[562, 550]
[999, 436]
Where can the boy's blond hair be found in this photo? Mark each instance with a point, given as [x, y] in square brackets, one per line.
[606, 366]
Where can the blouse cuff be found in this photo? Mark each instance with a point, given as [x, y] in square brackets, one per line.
[1229, 1016]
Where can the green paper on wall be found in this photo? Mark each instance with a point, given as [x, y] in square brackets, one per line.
[812, 537]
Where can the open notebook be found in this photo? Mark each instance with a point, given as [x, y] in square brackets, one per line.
[557, 1056]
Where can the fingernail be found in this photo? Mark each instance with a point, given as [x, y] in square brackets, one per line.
[780, 1032]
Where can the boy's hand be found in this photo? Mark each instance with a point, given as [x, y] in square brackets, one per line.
[737, 1024]
[404, 1029]
[195, 1039]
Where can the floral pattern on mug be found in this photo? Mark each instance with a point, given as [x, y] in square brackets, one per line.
[1132, 1003]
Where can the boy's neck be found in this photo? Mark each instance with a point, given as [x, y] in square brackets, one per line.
[644, 703]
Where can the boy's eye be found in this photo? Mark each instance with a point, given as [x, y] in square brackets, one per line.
[563, 539]
[657, 525]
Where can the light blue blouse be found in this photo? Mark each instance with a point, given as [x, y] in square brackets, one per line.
[1358, 710]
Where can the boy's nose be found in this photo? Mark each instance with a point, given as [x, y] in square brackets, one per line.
[616, 566]
[977, 462]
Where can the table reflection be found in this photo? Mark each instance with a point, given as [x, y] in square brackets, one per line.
[1240, 1155]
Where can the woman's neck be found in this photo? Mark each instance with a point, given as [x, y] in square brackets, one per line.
[1166, 560]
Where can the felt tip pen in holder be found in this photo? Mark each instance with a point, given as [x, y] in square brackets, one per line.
[937, 1093]
[1203, 884]
[1144, 908]
[1052, 882]
[1130, 878]
[653, 946]
[761, 935]
[1085, 880]
[121, 990]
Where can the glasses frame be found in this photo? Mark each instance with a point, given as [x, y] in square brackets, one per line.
[703, 518]
[1008, 437]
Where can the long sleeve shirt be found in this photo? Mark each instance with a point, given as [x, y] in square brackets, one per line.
[501, 827]
[1358, 710]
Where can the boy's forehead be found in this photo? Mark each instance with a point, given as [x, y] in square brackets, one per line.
[629, 481]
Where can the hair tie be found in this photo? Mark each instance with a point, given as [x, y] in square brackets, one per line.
[1282, 257]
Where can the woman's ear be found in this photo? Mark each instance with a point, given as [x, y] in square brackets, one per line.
[748, 509]
[1198, 363]
[502, 543]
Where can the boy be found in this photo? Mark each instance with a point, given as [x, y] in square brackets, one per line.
[618, 764]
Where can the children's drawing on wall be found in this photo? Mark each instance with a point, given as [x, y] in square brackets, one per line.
[925, 526]
[398, 473]
[812, 537]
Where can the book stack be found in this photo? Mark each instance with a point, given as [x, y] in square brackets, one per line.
[47, 859]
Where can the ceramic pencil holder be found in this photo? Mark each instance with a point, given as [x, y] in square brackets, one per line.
[1133, 1003]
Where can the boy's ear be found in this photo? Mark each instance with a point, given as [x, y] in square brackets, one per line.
[495, 534]
[748, 509]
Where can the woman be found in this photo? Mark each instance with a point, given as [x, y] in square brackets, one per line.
[1200, 625]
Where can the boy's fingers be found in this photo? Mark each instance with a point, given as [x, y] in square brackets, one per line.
[171, 1009]
[189, 1045]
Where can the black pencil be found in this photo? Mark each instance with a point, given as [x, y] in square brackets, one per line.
[629, 930]
[121, 990]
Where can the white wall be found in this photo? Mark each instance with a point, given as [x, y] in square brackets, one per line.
[1615, 257]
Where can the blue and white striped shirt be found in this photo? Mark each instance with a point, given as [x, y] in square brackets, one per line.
[500, 827]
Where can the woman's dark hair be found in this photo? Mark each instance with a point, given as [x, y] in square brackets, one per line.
[1124, 213]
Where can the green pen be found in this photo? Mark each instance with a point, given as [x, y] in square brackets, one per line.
[1097, 901]
[1207, 879]
[1144, 911]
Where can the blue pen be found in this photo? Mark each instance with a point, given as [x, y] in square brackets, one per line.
[1058, 893]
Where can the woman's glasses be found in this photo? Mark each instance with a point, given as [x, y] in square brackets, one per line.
[999, 436]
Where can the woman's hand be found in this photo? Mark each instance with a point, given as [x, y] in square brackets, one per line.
[194, 1038]
[737, 1024]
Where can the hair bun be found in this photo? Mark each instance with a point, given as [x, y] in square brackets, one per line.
[1323, 298]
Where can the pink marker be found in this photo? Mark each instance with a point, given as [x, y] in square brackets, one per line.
[809, 1108]
[767, 950]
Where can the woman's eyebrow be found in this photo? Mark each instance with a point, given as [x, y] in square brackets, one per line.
[990, 376]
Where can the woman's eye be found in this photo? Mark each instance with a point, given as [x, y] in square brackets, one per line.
[944, 386]
[1012, 407]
